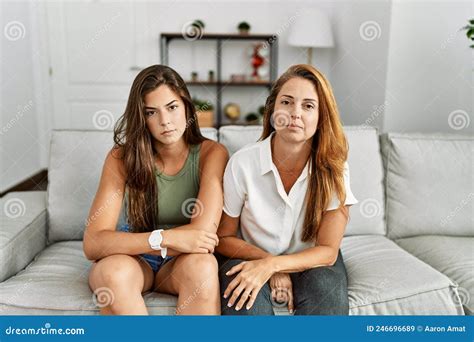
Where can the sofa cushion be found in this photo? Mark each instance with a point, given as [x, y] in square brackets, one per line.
[452, 256]
[236, 137]
[76, 161]
[384, 279]
[429, 184]
[23, 233]
[56, 283]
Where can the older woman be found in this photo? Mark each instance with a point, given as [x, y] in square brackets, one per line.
[286, 205]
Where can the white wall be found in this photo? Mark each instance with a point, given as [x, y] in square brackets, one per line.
[397, 65]
[430, 68]
[24, 125]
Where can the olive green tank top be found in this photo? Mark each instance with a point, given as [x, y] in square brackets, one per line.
[177, 194]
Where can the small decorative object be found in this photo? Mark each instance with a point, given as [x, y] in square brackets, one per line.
[237, 77]
[204, 112]
[211, 76]
[243, 27]
[252, 118]
[257, 61]
[470, 32]
[194, 76]
[232, 112]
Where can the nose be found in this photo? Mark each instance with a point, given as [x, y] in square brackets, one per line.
[163, 118]
[296, 113]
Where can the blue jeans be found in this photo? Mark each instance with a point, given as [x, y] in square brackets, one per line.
[316, 291]
[155, 261]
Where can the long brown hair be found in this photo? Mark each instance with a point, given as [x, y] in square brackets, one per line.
[329, 147]
[134, 139]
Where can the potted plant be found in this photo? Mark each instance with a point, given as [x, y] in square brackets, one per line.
[470, 31]
[243, 27]
[252, 118]
[198, 24]
[204, 112]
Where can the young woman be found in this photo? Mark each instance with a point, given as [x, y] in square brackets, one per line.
[286, 205]
[170, 178]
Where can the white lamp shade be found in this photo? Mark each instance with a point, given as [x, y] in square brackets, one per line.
[311, 29]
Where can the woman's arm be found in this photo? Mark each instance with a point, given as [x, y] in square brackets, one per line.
[100, 237]
[233, 247]
[213, 159]
[331, 232]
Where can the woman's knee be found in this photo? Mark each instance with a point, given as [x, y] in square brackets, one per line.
[117, 272]
[197, 271]
[321, 291]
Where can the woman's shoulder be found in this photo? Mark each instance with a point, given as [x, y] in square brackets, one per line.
[114, 161]
[211, 149]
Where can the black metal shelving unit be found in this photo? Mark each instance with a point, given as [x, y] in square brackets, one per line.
[270, 39]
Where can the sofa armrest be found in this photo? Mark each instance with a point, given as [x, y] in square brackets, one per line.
[23, 230]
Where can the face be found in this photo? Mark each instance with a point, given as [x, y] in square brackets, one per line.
[296, 114]
[165, 115]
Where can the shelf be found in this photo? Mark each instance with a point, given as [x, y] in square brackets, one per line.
[213, 36]
[230, 83]
[221, 42]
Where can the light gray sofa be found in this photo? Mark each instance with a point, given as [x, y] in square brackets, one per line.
[408, 247]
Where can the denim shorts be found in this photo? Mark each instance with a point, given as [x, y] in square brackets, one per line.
[155, 261]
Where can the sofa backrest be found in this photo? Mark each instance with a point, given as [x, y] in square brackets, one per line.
[429, 184]
[77, 157]
[366, 176]
[236, 137]
[75, 166]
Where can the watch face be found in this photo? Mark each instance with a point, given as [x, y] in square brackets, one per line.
[155, 239]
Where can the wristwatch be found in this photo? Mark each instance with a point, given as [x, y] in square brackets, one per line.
[155, 239]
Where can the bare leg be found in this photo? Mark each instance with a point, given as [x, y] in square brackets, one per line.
[194, 278]
[118, 281]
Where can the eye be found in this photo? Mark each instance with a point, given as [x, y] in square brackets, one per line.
[285, 102]
[172, 107]
[309, 106]
[150, 113]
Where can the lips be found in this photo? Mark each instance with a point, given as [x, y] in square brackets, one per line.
[294, 126]
[168, 131]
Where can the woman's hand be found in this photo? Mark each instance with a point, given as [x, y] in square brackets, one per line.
[190, 240]
[282, 289]
[253, 275]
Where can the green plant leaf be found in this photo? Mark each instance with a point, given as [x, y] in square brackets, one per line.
[470, 32]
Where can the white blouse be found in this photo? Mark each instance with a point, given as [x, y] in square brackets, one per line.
[270, 218]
